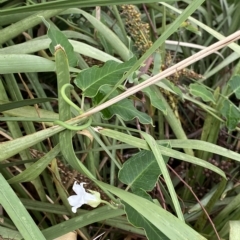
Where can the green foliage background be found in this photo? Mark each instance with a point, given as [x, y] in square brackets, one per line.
[76, 91]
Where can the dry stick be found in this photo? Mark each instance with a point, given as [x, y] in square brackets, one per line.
[199, 202]
[150, 21]
[169, 71]
[161, 196]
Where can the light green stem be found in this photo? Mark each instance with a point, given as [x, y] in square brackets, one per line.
[68, 85]
[74, 128]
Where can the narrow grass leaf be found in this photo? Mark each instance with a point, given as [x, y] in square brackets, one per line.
[235, 47]
[167, 223]
[225, 215]
[93, 216]
[10, 148]
[139, 143]
[201, 145]
[202, 219]
[19, 63]
[162, 165]
[22, 103]
[45, 206]
[67, 4]
[17, 212]
[135, 218]
[43, 43]
[65, 138]
[23, 25]
[109, 36]
[63, 77]
[36, 168]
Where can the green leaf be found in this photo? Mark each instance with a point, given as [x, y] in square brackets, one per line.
[17, 212]
[92, 79]
[7, 233]
[139, 143]
[57, 38]
[167, 223]
[140, 171]
[35, 169]
[118, 46]
[142, 193]
[138, 220]
[63, 77]
[201, 91]
[234, 227]
[157, 61]
[231, 113]
[153, 93]
[25, 102]
[202, 219]
[133, 78]
[234, 84]
[173, 87]
[124, 108]
[107, 47]
[192, 28]
[110, 22]
[95, 215]
[18, 63]
[162, 165]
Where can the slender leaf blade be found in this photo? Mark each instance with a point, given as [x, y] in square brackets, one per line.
[162, 165]
[138, 220]
[36, 168]
[139, 143]
[167, 223]
[201, 91]
[17, 212]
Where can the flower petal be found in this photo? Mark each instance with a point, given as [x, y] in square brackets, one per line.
[74, 209]
[75, 200]
[78, 188]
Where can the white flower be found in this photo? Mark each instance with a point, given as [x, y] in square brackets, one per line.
[76, 201]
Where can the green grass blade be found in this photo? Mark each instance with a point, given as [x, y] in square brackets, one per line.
[167, 223]
[17, 212]
[235, 47]
[37, 168]
[82, 220]
[68, 4]
[23, 25]
[162, 165]
[139, 143]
